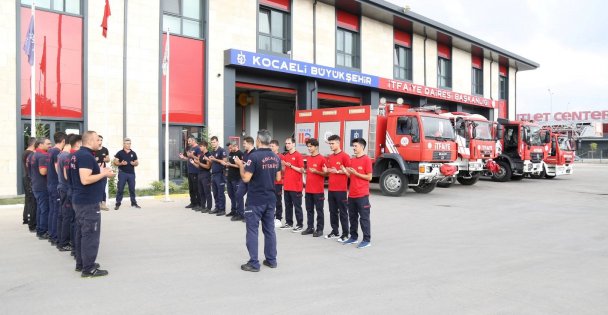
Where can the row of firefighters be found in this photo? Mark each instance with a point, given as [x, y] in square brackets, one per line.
[425, 147]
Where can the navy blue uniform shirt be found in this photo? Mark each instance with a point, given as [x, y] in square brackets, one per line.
[264, 165]
[233, 172]
[192, 169]
[39, 159]
[219, 154]
[63, 162]
[52, 180]
[85, 194]
[122, 155]
[202, 161]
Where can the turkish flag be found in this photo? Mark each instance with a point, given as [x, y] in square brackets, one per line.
[43, 60]
[104, 22]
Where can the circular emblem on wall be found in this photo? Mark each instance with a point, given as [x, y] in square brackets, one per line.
[429, 145]
[404, 141]
[327, 135]
[240, 58]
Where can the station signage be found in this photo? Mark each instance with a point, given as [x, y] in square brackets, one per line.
[582, 116]
[243, 58]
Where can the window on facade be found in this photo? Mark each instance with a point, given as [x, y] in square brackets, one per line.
[274, 30]
[65, 6]
[183, 17]
[476, 81]
[402, 69]
[444, 73]
[347, 49]
[503, 87]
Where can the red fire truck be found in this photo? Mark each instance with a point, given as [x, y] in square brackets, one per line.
[523, 148]
[409, 147]
[476, 141]
[560, 158]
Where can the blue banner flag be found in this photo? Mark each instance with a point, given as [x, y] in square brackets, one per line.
[28, 47]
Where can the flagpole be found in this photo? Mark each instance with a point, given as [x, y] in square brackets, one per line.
[167, 117]
[33, 81]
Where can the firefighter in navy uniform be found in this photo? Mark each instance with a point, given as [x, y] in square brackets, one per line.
[261, 169]
[87, 193]
[204, 177]
[218, 180]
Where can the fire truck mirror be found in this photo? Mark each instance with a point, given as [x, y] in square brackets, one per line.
[500, 132]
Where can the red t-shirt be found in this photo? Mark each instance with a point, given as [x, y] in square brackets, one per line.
[358, 186]
[280, 182]
[338, 182]
[293, 179]
[314, 182]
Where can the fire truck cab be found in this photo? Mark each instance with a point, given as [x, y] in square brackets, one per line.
[560, 158]
[409, 147]
[524, 144]
[476, 141]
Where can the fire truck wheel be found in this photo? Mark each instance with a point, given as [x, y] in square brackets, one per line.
[425, 188]
[468, 181]
[446, 182]
[393, 182]
[504, 172]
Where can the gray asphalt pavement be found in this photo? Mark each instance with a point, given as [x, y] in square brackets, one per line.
[528, 247]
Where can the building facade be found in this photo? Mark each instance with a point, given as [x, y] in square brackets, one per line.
[235, 67]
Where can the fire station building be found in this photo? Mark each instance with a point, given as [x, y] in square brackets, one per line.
[235, 67]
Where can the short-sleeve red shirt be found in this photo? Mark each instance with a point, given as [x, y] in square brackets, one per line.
[358, 186]
[314, 182]
[338, 182]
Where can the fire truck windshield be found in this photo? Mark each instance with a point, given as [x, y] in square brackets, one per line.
[534, 136]
[482, 130]
[564, 143]
[437, 128]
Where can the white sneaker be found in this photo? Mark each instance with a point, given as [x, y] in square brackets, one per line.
[277, 223]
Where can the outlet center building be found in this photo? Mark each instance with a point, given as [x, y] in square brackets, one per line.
[235, 67]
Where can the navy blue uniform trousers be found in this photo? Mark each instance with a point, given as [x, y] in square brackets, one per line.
[193, 190]
[87, 235]
[204, 190]
[240, 197]
[232, 186]
[314, 201]
[278, 212]
[218, 181]
[338, 211]
[54, 206]
[129, 179]
[359, 207]
[293, 201]
[42, 211]
[253, 216]
[65, 228]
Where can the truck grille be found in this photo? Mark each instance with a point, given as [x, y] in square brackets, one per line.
[486, 153]
[536, 157]
[442, 155]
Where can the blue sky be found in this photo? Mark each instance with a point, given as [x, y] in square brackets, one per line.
[567, 38]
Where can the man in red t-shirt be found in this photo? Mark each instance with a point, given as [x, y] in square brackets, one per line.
[338, 185]
[293, 165]
[360, 172]
[278, 187]
[315, 190]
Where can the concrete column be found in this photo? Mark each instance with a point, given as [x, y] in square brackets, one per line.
[252, 115]
[307, 95]
[371, 98]
[229, 104]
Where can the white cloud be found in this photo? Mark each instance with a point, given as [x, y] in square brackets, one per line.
[565, 37]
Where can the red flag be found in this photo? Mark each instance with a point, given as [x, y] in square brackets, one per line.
[43, 60]
[104, 22]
